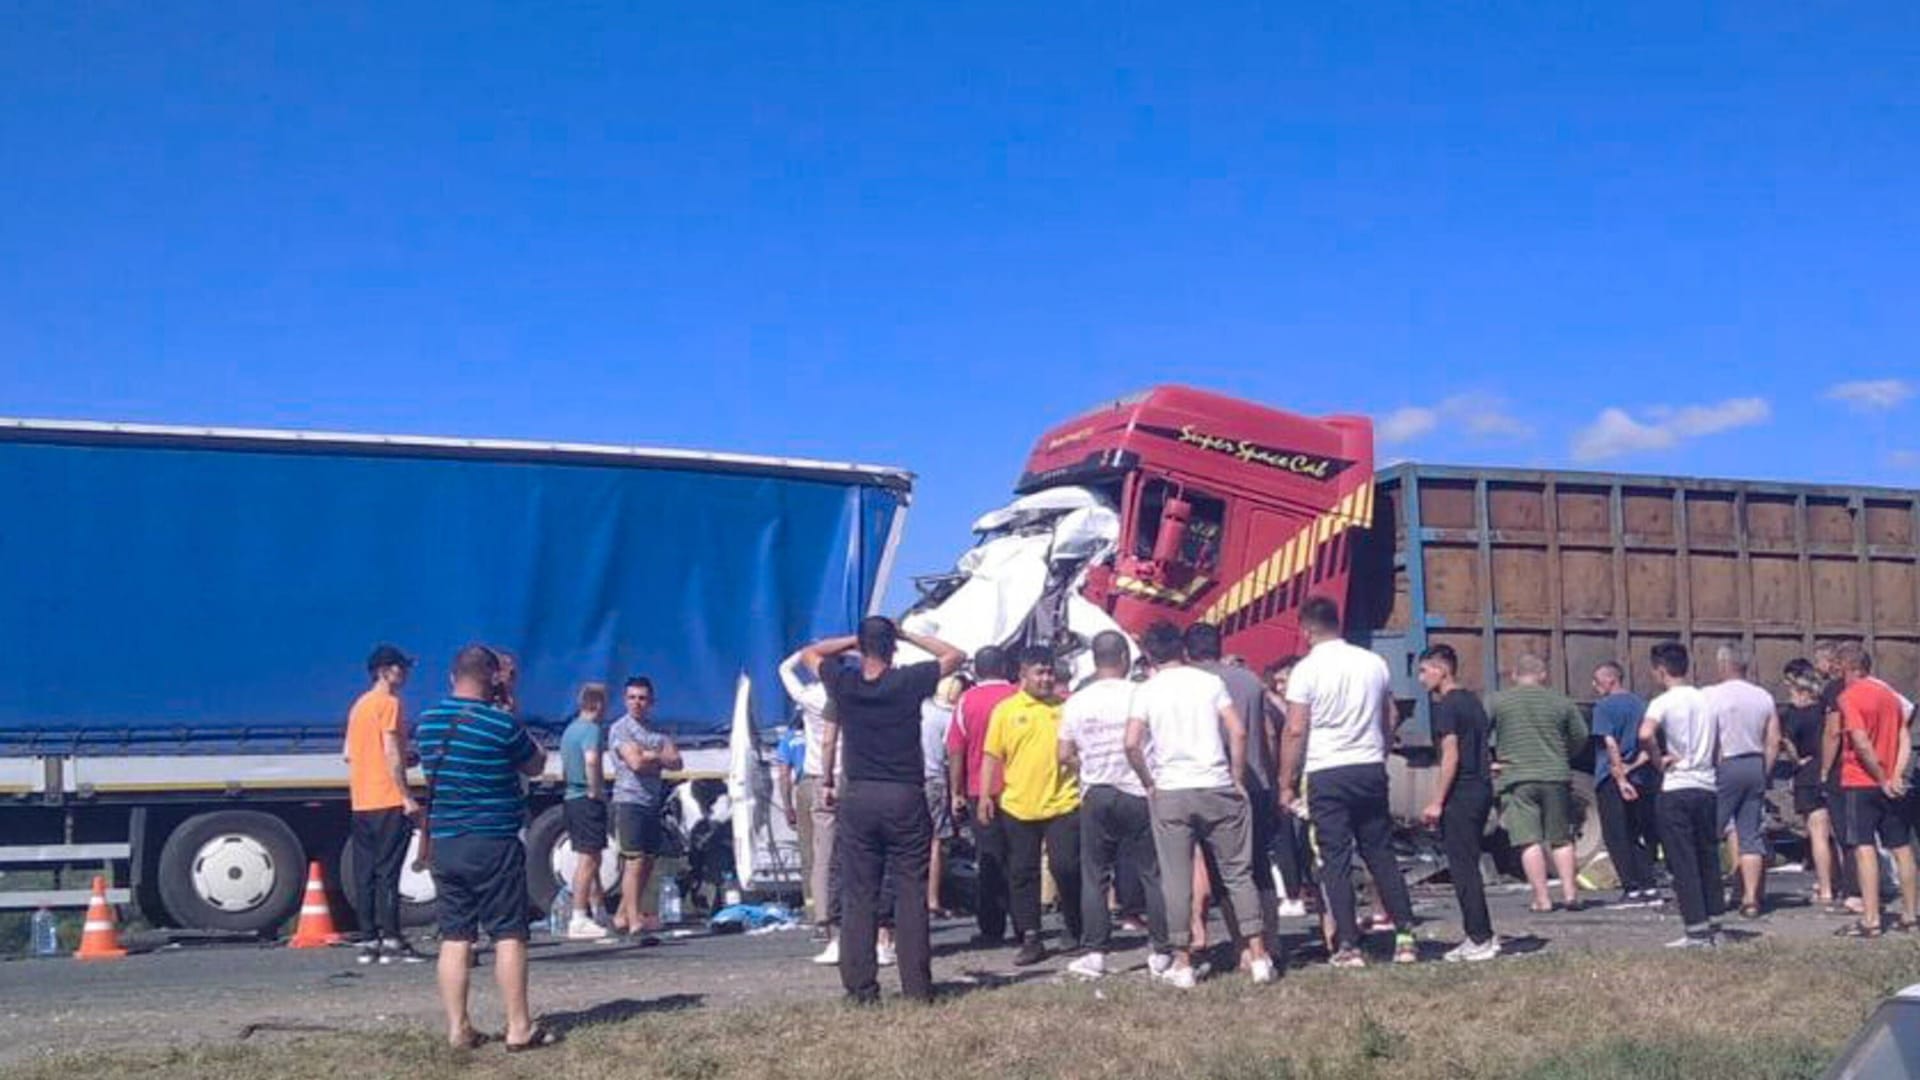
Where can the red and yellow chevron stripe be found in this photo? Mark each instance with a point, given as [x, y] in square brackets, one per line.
[1296, 556]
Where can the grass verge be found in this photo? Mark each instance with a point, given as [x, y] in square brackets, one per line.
[1772, 1012]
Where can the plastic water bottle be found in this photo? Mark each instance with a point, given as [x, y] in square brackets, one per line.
[669, 902]
[560, 914]
[46, 934]
[731, 889]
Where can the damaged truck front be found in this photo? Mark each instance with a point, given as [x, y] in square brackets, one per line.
[1172, 504]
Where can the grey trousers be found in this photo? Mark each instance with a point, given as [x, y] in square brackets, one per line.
[1219, 820]
[816, 843]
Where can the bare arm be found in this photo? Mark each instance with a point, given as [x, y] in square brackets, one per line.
[1829, 744]
[1615, 764]
[1067, 752]
[819, 652]
[1137, 752]
[596, 775]
[790, 675]
[394, 745]
[957, 775]
[631, 754]
[1389, 719]
[1772, 751]
[1293, 748]
[948, 657]
[1650, 734]
[1449, 770]
[990, 770]
[1236, 729]
[829, 751]
[1270, 732]
[669, 757]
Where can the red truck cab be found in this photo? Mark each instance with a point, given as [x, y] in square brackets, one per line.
[1231, 513]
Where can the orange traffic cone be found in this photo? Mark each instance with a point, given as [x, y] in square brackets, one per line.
[315, 929]
[100, 940]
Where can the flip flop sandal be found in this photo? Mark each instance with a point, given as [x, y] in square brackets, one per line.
[1750, 912]
[475, 1040]
[1858, 930]
[540, 1039]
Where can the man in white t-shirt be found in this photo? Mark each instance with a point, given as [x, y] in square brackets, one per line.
[1340, 721]
[1688, 795]
[1116, 825]
[1199, 749]
[1747, 721]
[815, 817]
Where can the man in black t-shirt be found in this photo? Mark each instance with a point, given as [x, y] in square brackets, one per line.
[883, 827]
[1463, 797]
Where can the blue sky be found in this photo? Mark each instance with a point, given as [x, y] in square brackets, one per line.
[1636, 236]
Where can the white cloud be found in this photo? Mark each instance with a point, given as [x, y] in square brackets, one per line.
[1615, 432]
[1482, 416]
[1871, 395]
[1406, 425]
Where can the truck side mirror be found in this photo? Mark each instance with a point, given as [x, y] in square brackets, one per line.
[1173, 530]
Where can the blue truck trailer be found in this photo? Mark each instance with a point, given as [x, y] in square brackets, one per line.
[184, 616]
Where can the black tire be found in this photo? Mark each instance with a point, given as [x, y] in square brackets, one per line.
[545, 834]
[412, 913]
[262, 905]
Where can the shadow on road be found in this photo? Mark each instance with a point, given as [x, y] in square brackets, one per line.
[986, 980]
[613, 1012]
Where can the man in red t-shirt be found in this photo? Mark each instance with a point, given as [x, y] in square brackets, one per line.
[966, 745]
[1874, 756]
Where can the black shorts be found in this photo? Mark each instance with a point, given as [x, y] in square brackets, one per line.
[641, 831]
[1809, 797]
[586, 825]
[482, 882]
[1871, 815]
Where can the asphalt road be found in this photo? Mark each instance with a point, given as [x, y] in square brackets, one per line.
[231, 992]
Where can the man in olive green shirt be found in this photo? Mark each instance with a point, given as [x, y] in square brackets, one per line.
[1536, 733]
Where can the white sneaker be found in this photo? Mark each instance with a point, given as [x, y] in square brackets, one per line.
[887, 955]
[1292, 909]
[830, 955]
[1262, 970]
[1693, 941]
[1092, 966]
[1468, 952]
[1180, 978]
[583, 928]
[1158, 963]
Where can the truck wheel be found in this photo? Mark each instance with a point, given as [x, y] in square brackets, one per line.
[419, 899]
[233, 870]
[550, 860]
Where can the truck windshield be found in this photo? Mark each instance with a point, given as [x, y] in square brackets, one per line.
[1200, 547]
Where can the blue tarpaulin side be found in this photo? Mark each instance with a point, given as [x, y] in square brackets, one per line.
[153, 597]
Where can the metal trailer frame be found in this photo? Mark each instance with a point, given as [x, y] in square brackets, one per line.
[1832, 561]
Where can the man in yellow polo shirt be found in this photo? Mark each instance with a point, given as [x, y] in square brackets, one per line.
[1039, 803]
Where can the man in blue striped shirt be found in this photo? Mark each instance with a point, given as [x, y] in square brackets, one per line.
[474, 755]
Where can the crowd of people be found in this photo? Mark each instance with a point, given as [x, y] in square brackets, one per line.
[1170, 779]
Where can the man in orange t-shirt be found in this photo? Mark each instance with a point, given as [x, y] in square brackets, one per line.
[383, 808]
[1874, 757]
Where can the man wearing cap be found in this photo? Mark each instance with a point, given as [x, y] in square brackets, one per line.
[383, 808]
